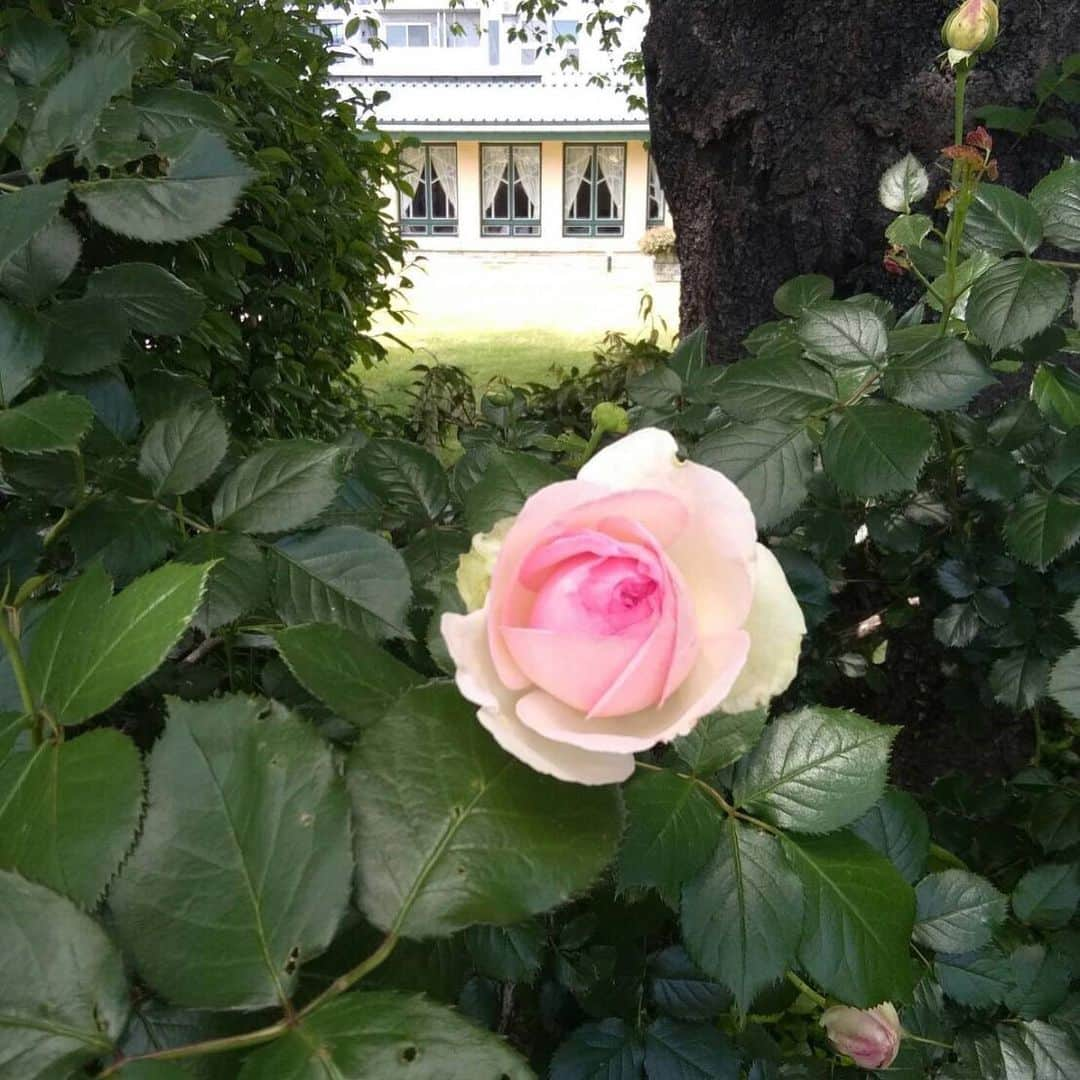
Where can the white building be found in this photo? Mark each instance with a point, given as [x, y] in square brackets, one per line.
[515, 154]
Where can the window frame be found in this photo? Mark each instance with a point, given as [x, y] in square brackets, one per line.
[512, 221]
[613, 227]
[650, 221]
[427, 225]
[407, 26]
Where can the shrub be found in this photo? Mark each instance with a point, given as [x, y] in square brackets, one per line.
[659, 240]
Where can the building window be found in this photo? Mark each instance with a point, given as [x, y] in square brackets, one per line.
[510, 190]
[337, 32]
[593, 181]
[408, 35]
[657, 203]
[564, 32]
[431, 171]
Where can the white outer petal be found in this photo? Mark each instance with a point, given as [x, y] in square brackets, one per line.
[776, 627]
[467, 641]
[643, 459]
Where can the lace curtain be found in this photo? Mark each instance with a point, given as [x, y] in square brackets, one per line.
[527, 167]
[412, 171]
[578, 159]
[611, 162]
[656, 193]
[494, 171]
[444, 169]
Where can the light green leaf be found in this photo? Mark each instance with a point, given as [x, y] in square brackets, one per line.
[22, 350]
[342, 575]
[35, 50]
[154, 301]
[26, 212]
[815, 770]
[90, 648]
[1065, 682]
[676, 1050]
[1002, 222]
[902, 184]
[909, 230]
[164, 111]
[957, 911]
[1014, 301]
[741, 918]
[1057, 199]
[68, 812]
[979, 980]
[507, 481]
[776, 386]
[408, 479]
[279, 488]
[608, 1050]
[63, 997]
[1046, 896]
[673, 826]
[238, 584]
[37, 269]
[943, 375]
[200, 192]
[1041, 526]
[877, 448]
[770, 460]
[182, 450]
[897, 827]
[844, 335]
[244, 800]
[430, 786]
[967, 273]
[346, 670]
[800, 293]
[720, 739]
[858, 919]
[55, 421]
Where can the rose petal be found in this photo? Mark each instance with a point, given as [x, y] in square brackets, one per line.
[718, 666]
[477, 679]
[776, 627]
[662, 514]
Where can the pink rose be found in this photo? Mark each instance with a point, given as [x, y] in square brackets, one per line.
[870, 1037]
[624, 606]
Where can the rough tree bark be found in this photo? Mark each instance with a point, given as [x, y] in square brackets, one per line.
[772, 121]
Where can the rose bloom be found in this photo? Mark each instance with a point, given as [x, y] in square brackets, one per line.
[623, 606]
[870, 1037]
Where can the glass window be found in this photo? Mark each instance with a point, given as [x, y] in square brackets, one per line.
[510, 190]
[408, 35]
[431, 172]
[657, 202]
[337, 32]
[594, 180]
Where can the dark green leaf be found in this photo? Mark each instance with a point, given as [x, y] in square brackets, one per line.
[957, 911]
[1057, 199]
[897, 827]
[1046, 896]
[238, 582]
[55, 421]
[775, 386]
[408, 479]
[608, 1050]
[128, 538]
[154, 301]
[1055, 389]
[261, 809]
[1018, 680]
[1055, 817]
[166, 110]
[1042, 526]
[844, 335]
[943, 375]
[1002, 222]
[22, 349]
[181, 451]
[741, 918]
[36, 51]
[877, 448]
[1040, 981]
[507, 953]
[1054, 1055]
[507, 481]
[676, 1050]
[41, 266]
[679, 989]
[979, 980]
[1014, 301]
[689, 357]
[26, 212]
[84, 336]
[429, 785]
[993, 474]
[720, 739]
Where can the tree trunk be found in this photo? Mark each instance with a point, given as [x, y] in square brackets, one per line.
[772, 121]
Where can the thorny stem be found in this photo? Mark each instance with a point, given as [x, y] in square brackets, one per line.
[958, 112]
[806, 989]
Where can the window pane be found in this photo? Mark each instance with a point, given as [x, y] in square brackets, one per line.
[527, 182]
[443, 164]
[610, 173]
[395, 35]
[577, 187]
[419, 35]
[494, 172]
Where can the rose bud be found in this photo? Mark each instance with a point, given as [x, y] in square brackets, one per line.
[870, 1037]
[623, 607]
[980, 138]
[475, 566]
[609, 418]
[971, 28]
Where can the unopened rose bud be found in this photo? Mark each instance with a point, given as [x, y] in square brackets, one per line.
[971, 28]
[476, 565]
[870, 1037]
[980, 138]
[893, 265]
[609, 418]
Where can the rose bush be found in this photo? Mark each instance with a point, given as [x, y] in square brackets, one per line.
[624, 606]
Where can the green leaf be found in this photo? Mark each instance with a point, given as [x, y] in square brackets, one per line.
[676, 1050]
[1042, 526]
[679, 989]
[777, 386]
[507, 481]
[1002, 222]
[720, 739]
[742, 916]
[877, 448]
[844, 335]
[1055, 817]
[127, 538]
[957, 911]
[909, 230]
[1046, 896]
[1055, 389]
[84, 336]
[279, 488]
[1014, 301]
[979, 980]
[507, 953]
[967, 273]
[815, 770]
[770, 460]
[608, 1050]
[800, 293]
[55, 421]
[858, 919]
[1065, 682]
[957, 626]
[689, 357]
[994, 475]
[902, 184]
[431, 786]
[154, 301]
[897, 827]
[943, 375]
[673, 826]
[42, 265]
[68, 812]
[63, 997]
[1018, 680]
[342, 575]
[26, 212]
[90, 648]
[346, 670]
[182, 450]
[22, 350]
[382, 1034]
[198, 194]
[407, 478]
[168, 110]
[1054, 1055]
[246, 801]
[9, 108]
[71, 109]
[1057, 199]
[238, 583]
[1041, 979]
[36, 51]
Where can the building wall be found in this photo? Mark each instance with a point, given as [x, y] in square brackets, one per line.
[551, 239]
